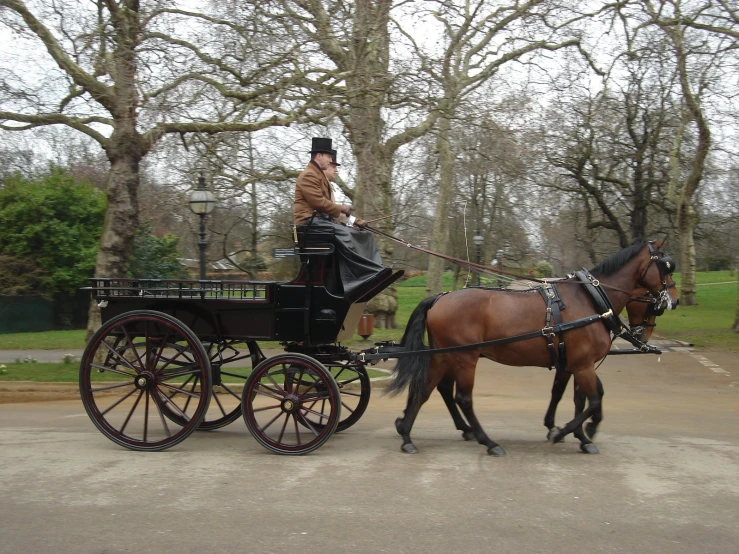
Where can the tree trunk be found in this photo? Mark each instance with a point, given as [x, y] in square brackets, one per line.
[688, 221]
[440, 233]
[373, 199]
[122, 214]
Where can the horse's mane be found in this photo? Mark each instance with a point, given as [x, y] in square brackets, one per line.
[614, 262]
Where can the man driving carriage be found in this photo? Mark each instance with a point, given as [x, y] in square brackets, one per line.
[315, 212]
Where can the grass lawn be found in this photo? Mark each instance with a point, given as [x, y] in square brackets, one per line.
[44, 340]
[707, 325]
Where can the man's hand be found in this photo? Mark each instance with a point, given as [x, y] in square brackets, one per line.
[361, 223]
[346, 209]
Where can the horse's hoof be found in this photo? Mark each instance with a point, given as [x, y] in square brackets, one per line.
[591, 429]
[551, 433]
[398, 424]
[468, 436]
[555, 435]
[409, 448]
[589, 448]
[496, 451]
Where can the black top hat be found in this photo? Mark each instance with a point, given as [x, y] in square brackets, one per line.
[321, 146]
[333, 159]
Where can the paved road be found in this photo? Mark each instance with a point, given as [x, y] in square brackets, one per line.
[667, 478]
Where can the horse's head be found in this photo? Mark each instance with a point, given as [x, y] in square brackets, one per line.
[656, 278]
[642, 314]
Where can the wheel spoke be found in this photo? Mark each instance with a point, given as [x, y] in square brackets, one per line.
[133, 409]
[271, 421]
[275, 383]
[132, 345]
[308, 424]
[174, 406]
[276, 396]
[115, 370]
[183, 386]
[179, 390]
[110, 387]
[266, 408]
[232, 393]
[297, 429]
[319, 414]
[159, 350]
[124, 360]
[282, 431]
[133, 391]
[307, 390]
[146, 417]
[220, 406]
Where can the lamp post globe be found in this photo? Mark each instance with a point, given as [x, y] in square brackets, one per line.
[202, 202]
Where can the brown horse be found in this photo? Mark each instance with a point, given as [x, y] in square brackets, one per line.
[474, 316]
[642, 313]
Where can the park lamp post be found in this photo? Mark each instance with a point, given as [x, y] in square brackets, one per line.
[202, 202]
[478, 240]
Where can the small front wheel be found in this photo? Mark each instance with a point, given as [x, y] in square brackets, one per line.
[279, 403]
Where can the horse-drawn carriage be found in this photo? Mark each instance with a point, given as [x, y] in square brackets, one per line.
[175, 356]
[172, 357]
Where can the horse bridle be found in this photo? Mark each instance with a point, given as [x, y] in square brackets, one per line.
[658, 301]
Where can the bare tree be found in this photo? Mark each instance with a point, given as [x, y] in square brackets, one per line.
[699, 60]
[480, 38]
[127, 75]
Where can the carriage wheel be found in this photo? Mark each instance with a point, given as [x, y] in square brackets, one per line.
[354, 388]
[129, 371]
[281, 394]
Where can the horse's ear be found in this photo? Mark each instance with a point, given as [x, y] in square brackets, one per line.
[659, 241]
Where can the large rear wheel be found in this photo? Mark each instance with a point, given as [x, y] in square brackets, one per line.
[280, 396]
[145, 380]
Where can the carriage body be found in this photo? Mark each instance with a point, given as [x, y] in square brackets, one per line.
[166, 347]
[230, 310]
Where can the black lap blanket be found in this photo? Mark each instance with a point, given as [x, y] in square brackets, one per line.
[359, 259]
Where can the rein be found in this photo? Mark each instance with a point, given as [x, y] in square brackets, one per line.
[648, 299]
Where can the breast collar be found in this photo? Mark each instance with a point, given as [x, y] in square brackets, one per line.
[600, 300]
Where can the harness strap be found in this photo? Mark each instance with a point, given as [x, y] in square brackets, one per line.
[386, 352]
[554, 304]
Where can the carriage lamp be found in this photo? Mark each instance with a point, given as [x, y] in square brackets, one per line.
[478, 240]
[202, 202]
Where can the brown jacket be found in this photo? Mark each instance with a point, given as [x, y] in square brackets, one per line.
[313, 192]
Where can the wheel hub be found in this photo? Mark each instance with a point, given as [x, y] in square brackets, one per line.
[290, 404]
[144, 381]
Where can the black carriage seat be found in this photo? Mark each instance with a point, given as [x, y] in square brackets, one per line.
[320, 264]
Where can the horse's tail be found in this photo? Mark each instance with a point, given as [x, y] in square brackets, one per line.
[411, 370]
